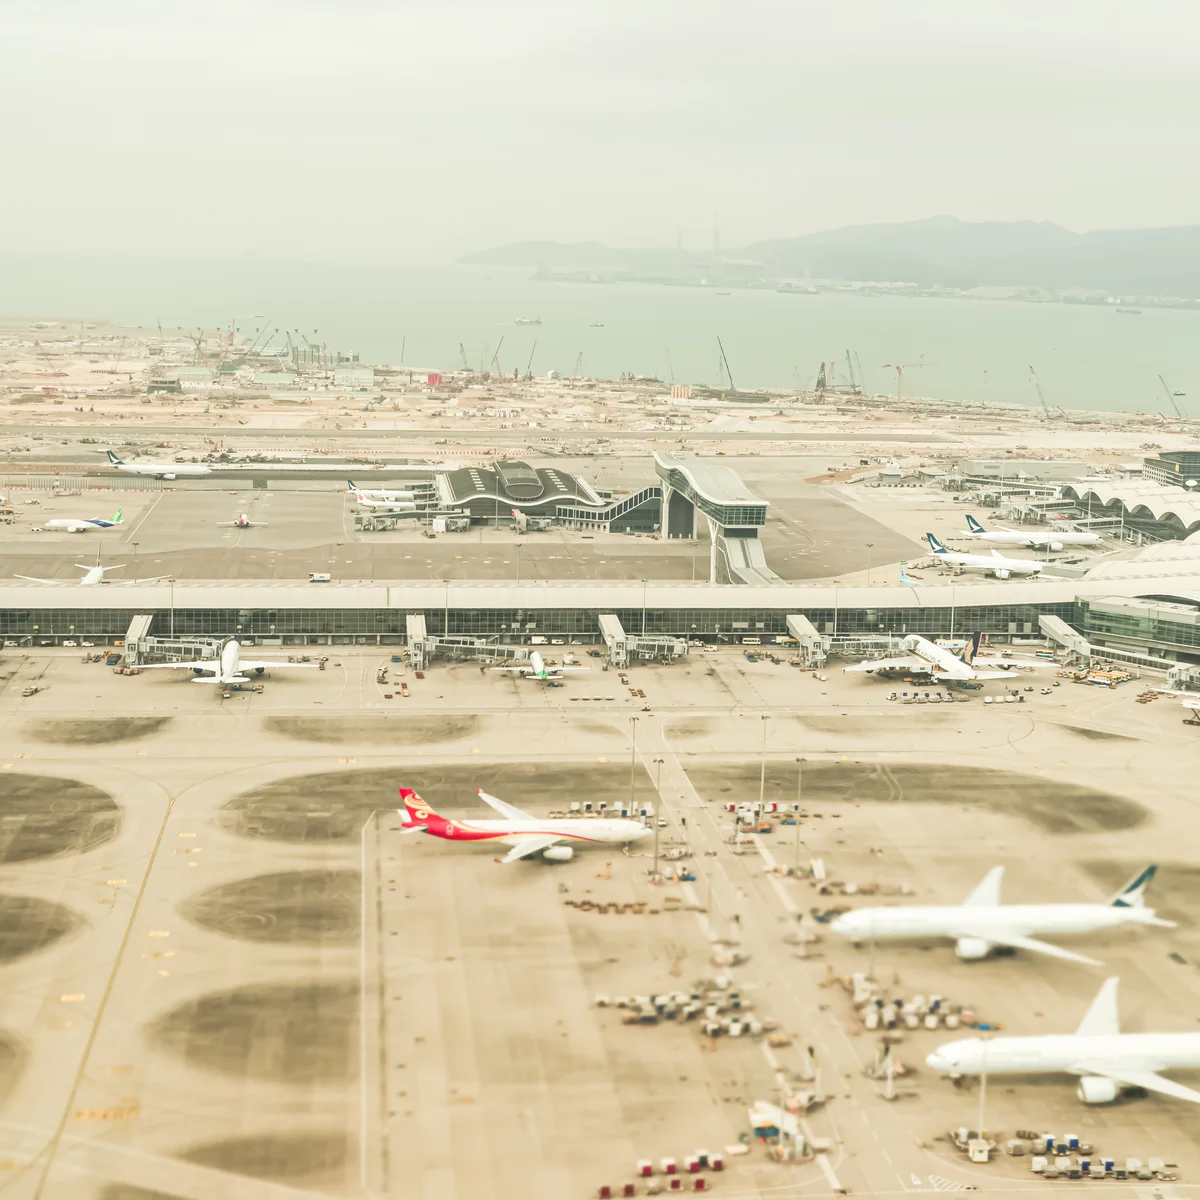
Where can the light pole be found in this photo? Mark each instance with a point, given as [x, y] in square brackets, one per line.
[633, 721]
[799, 779]
[658, 762]
[172, 583]
[643, 608]
[762, 773]
[869, 546]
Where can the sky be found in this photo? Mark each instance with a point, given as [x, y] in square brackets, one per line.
[413, 131]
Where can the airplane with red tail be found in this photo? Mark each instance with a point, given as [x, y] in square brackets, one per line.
[526, 834]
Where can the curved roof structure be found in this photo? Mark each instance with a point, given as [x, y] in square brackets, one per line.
[1151, 501]
[713, 482]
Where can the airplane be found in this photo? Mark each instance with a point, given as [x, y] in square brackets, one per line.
[84, 524]
[387, 506]
[941, 663]
[536, 669]
[906, 578]
[1106, 1060]
[981, 922]
[228, 666]
[527, 835]
[158, 470]
[243, 522]
[379, 493]
[1032, 541]
[994, 564]
[91, 576]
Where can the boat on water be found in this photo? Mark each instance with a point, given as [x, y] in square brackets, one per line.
[528, 321]
[1129, 312]
[597, 324]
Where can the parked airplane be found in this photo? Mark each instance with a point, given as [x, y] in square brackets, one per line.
[379, 493]
[84, 524]
[527, 835]
[940, 662]
[385, 506]
[981, 922]
[906, 578]
[994, 564]
[1106, 1060]
[536, 668]
[242, 522]
[158, 470]
[228, 666]
[91, 575]
[1033, 541]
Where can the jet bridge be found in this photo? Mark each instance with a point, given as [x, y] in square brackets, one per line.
[141, 648]
[424, 647]
[814, 647]
[624, 647]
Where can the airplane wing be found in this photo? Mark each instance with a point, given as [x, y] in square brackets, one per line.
[35, 579]
[1149, 1080]
[907, 662]
[528, 846]
[246, 664]
[1017, 942]
[503, 807]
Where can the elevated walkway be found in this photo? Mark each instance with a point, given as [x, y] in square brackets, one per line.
[1061, 634]
[623, 647]
[745, 562]
[814, 647]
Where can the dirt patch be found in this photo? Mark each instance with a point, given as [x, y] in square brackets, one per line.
[334, 807]
[1051, 806]
[312, 907]
[398, 730]
[95, 731]
[312, 1158]
[692, 727]
[127, 1191]
[12, 1064]
[1099, 735]
[284, 1032]
[45, 815]
[28, 924]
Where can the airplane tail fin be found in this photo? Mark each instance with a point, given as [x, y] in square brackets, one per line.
[112, 458]
[973, 525]
[116, 517]
[416, 811]
[1133, 894]
[972, 648]
[904, 577]
[352, 485]
[935, 546]
[1102, 1018]
[987, 893]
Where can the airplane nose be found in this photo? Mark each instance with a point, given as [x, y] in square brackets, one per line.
[940, 1061]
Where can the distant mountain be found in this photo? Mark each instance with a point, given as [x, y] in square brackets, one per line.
[937, 252]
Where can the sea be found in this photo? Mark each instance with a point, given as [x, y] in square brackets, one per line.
[438, 318]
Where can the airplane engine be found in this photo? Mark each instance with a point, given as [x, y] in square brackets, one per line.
[1096, 1089]
[971, 948]
[260, 670]
[558, 853]
[171, 476]
[1003, 573]
[1056, 545]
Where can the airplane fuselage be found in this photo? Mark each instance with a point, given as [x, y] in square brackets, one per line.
[1068, 1053]
[164, 470]
[1033, 541]
[573, 829]
[953, 921]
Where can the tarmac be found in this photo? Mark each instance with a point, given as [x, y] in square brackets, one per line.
[230, 974]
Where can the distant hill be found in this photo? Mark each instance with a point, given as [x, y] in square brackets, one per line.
[937, 252]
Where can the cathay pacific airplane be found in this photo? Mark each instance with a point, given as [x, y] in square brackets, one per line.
[158, 470]
[993, 564]
[1106, 1060]
[1032, 541]
[385, 506]
[84, 524]
[379, 493]
[926, 658]
[981, 922]
[526, 834]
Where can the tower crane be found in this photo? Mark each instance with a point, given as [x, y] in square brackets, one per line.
[900, 368]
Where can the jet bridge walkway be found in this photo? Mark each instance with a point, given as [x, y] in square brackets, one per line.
[624, 647]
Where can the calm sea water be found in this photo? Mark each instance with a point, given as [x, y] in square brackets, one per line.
[971, 350]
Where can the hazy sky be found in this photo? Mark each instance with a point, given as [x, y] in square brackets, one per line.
[414, 130]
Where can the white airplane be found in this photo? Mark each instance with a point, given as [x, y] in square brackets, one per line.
[84, 524]
[536, 668]
[941, 663]
[386, 506]
[242, 522]
[1106, 1060]
[158, 470]
[527, 835]
[981, 922]
[379, 493]
[993, 564]
[228, 666]
[1032, 541]
[92, 575]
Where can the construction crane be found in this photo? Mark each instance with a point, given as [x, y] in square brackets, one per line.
[529, 364]
[1037, 384]
[198, 339]
[725, 360]
[900, 368]
[578, 365]
[496, 357]
[1171, 397]
[462, 353]
[862, 379]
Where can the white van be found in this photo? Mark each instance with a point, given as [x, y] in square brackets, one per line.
[751, 641]
[320, 577]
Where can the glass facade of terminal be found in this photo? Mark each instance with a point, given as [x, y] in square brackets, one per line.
[368, 625]
[1141, 624]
